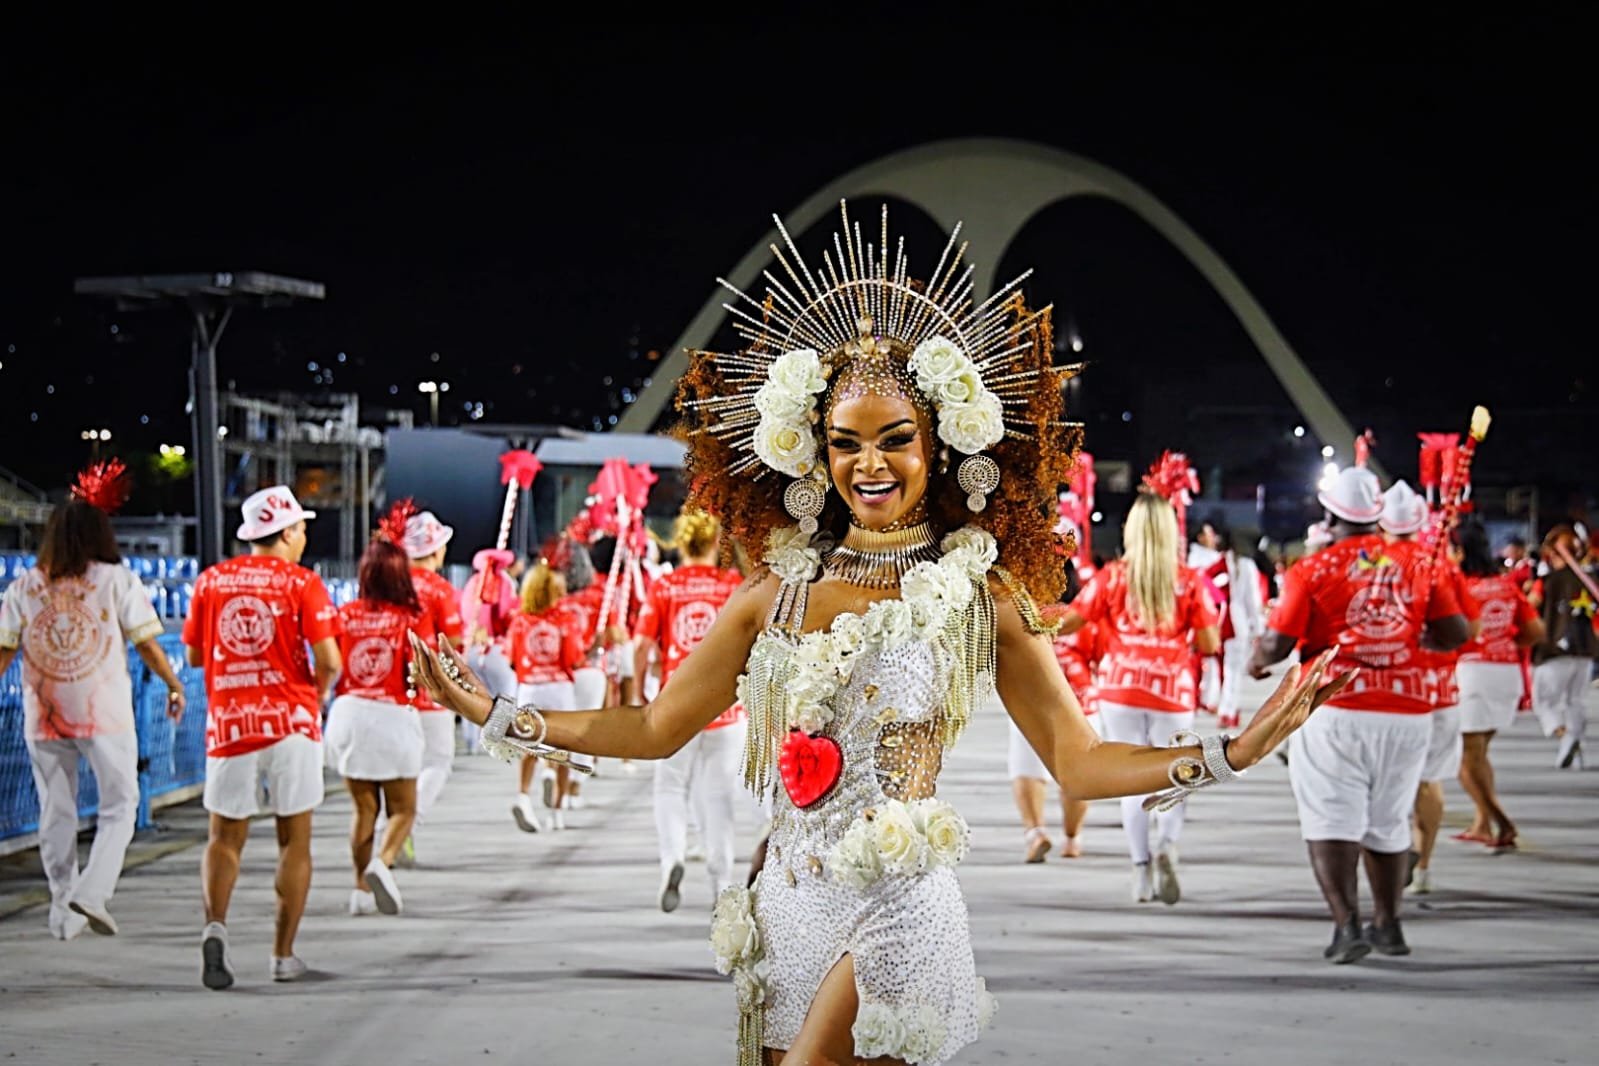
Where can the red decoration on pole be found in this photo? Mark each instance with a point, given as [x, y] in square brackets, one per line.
[1363, 446]
[1454, 470]
[1174, 480]
[1430, 465]
[391, 527]
[104, 486]
[1076, 505]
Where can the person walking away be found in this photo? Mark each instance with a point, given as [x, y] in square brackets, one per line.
[1243, 620]
[1566, 599]
[1356, 773]
[374, 735]
[69, 616]
[1152, 612]
[426, 542]
[249, 625]
[546, 645]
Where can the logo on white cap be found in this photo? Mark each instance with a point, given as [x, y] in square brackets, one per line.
[425, 534]
[270, 511]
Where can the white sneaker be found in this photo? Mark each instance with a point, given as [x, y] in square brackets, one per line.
[216, 969]
[527, 819]
[1421, 881]
[574, 801]
[70, 927]
[1143, 883]
[384, 891]
[291, 968]
[694, 853]
[99, 918]
[362, 903]
[671, 881]
[558, 819]
[1167, 890]
[547, 786]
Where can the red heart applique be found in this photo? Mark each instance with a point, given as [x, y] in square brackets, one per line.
[810, 767]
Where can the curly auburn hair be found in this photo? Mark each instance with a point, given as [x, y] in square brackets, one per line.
[1021, 514]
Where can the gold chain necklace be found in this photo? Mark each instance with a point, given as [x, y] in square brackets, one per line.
[879, 560]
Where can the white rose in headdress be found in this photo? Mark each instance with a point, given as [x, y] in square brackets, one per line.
[961, 389]
[943, 828]
[970, 428]
[900, 845]
[924, 1034]
[936, 361]
[778, 404]
[877, 1031]
[799, 373]
[787, 447]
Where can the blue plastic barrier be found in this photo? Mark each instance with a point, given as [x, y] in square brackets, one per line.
[171, 755]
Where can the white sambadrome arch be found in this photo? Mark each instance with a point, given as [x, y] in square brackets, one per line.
[994, 187]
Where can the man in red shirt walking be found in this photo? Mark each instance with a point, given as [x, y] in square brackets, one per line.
[1356, 765]
[248, 626]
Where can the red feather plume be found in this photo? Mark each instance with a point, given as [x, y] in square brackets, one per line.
[104, 485]
[392, 525]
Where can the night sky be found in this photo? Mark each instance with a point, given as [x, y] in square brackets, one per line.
[1410, 201]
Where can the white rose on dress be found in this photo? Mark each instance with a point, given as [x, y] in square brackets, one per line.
[787, 447]
[877, 1031]
[901, 847]
[798, 372]
[888, 624]
[789, 554]
[750, 984]
[977, 548]
[735, 938]
[849, 634]
[986, 1005]
[944, 830]
[924, 1034]
[972, 427]
[936, 361]
[854, 860]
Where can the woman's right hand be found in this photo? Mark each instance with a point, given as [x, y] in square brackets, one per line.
[1300, 693]
[471, 700]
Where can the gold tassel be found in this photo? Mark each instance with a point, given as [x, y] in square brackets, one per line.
[751, 1036]
[1031, 618]
[967, 646]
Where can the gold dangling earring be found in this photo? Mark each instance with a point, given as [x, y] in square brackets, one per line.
[804, 499]
[978, 476]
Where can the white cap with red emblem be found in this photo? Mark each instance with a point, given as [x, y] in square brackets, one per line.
[270, 511]
[425, 534]
[1355, 495]
[1403, 510]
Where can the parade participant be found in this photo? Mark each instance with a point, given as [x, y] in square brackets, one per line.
[1565, 597]
[1490, 680]
[546, 645]
[1404, 514]
[485, 617]
[675, 617]
[1203, 554]
[596, 682]
[250, 622]
[1356, 766]
[70, 615]
[1243, 619]
[1152, 613]
[374, 737]
[876, 627]
[426, 541]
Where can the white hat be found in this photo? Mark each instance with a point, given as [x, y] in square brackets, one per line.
[269, 511]
[425, 534]
[1355, 496]
[1403, 511]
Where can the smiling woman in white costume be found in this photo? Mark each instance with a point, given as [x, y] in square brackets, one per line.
[918, 440]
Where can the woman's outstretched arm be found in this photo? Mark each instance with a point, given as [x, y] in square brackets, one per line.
[1046, 711]
[701, 688]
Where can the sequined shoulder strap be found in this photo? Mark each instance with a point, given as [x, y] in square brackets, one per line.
[788, 607]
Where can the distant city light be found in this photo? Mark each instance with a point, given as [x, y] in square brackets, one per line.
[222, 431]
[144, 420]
[50, 390]
[1127, 416]
[1329, 474]
[1077, 344]
[342, 357]
[1299, 431]
[174, 449]
[1097, 516]
[434, 357]
[1326, 451]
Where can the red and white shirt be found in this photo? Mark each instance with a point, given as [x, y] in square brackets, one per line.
[1504, 611]
[1137, 668]
[1076, 653]
[75, 681]
[375, 651]
[441, 606]
[677, 614]
[545, 647]
[1446, 692]
[251, 620]
[1371, 600]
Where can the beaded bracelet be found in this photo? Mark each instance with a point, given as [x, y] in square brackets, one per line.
[1188, 774]
[512, 732]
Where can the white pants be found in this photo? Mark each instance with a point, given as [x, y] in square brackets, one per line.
[1135, 725]
[438, 759]
[1355, 775]
[1235, 664]
[1209, 680]
[1558, 687]
[495, 669]
[114, 758]
[704, 771]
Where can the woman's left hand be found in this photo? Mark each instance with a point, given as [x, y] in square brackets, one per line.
[472, 700]
[1300, 693]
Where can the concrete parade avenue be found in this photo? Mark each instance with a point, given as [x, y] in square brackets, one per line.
[551, 948]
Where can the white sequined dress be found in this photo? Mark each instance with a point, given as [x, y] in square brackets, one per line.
[907, 934]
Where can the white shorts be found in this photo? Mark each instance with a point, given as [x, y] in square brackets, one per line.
[369, 740]
[554, 696]
[1443, 744]
[1489, 694]
[282, 779]
[588, 689]
[1355, 774]
[1022, 761]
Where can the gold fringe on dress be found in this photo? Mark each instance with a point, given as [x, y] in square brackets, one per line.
[751, 1035]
